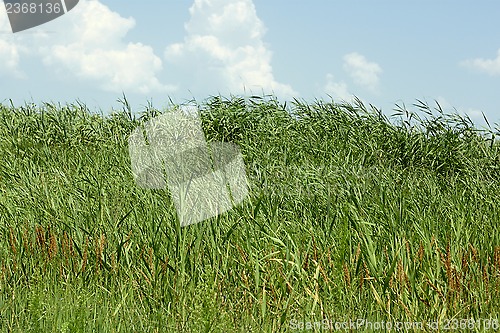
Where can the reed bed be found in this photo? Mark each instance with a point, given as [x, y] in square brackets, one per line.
[351, 215]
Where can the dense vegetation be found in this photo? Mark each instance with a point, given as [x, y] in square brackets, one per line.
[351, 215]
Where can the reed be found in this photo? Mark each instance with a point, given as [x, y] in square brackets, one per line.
[351, 214]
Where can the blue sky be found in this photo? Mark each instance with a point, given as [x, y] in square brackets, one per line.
[384, 52]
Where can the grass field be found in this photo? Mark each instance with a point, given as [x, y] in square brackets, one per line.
[350, 216]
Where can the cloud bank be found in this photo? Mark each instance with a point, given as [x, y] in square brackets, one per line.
[225, 49]
[489, 66]
[363, 72]
[9, 50]
[89, 45]
[9, 59]
[337, 90]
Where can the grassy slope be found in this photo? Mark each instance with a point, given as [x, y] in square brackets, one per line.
[349, 217]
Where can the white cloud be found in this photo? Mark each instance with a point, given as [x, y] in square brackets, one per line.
[94, 50]
[489, 66]
[337, 90]
[224, 47]
[444, 103]
[474, 114]
[362, 71]
[9, 59]
[87, 43]
[9, 49]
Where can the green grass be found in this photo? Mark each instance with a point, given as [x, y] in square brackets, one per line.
[350, 216]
